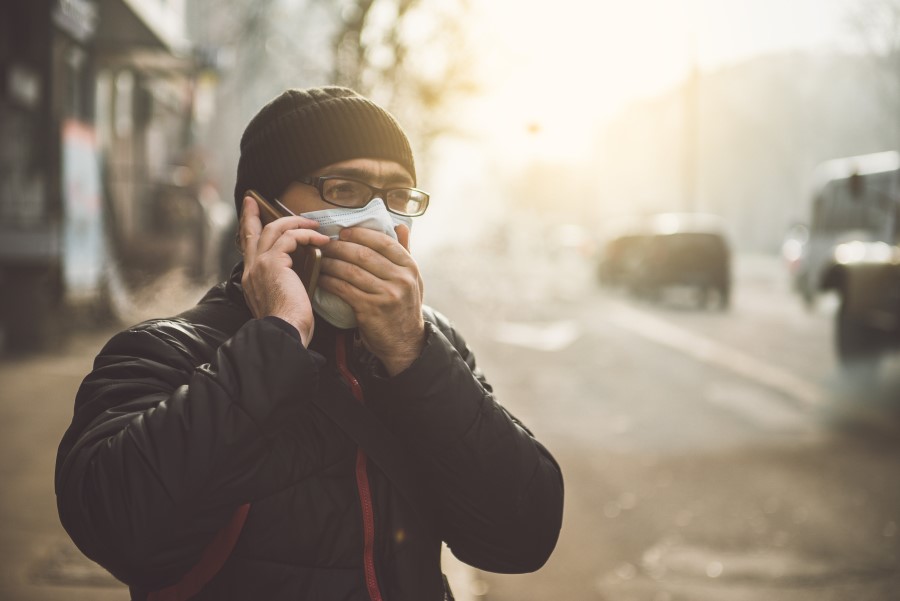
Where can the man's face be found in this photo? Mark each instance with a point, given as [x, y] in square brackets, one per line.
[380, 173]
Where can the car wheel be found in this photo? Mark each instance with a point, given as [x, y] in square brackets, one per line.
[725, 297]
[859, 346]
[705, 297]
[809, 300]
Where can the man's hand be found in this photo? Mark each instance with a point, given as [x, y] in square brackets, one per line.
[270, 285]
[378, 278]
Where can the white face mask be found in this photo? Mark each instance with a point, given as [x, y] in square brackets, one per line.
[373, 216]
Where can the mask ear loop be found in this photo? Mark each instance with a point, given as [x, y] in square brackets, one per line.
[284, 208]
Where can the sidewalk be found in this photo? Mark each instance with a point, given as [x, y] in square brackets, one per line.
[39, 562]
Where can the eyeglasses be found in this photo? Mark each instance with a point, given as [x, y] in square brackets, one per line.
[354, 194]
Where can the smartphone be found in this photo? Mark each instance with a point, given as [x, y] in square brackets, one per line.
[307, 260]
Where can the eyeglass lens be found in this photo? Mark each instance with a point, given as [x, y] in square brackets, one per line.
[351, 194]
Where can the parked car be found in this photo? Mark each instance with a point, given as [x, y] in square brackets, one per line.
[649, 256]
[850, 248]
[619, 259]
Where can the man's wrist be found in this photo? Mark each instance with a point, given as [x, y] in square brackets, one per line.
[306, 333]
[399, 362]
[303, 331]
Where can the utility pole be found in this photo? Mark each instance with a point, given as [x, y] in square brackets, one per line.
[691, 131]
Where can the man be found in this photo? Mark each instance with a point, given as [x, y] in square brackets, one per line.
[269, 445]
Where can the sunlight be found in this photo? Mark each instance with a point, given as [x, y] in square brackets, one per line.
[556, 74]
[555, 77]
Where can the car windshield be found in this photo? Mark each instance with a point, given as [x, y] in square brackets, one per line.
[687, 248]
[841, 207]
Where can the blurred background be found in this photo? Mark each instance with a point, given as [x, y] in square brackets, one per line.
[668, 230]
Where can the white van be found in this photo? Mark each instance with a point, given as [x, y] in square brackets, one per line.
[854, 199]
[850, 247]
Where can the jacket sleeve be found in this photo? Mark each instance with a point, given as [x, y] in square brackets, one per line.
[161, 450]
[498, 492]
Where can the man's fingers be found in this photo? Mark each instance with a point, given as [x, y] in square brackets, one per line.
[364, 257]
[291, 239]
[249, 229]
[352, 267]
[283, 235]
[271, 232]
[351, 274]
[379, 242]
[403, 235]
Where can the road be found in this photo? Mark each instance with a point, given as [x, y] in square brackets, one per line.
[707, 455]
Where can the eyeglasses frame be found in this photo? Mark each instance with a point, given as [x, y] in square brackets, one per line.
[319, 184]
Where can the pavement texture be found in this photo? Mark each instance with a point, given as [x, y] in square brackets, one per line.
[37, 559]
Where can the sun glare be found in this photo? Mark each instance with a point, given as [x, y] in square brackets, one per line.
[555, 75]
[556, 72]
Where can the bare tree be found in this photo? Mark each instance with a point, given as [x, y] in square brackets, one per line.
[876, 26]
[413, 56]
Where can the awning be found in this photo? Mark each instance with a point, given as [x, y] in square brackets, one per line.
[148, 24]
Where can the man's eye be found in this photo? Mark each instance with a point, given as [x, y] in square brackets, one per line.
[399, 197]
[345, 189]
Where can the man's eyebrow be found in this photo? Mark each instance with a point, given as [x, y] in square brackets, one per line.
[366, 175]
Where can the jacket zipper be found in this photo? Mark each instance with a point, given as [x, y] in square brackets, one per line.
[362, 479]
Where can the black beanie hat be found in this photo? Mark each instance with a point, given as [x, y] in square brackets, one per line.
[301, 131]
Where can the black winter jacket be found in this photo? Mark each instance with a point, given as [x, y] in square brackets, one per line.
[183, 420]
